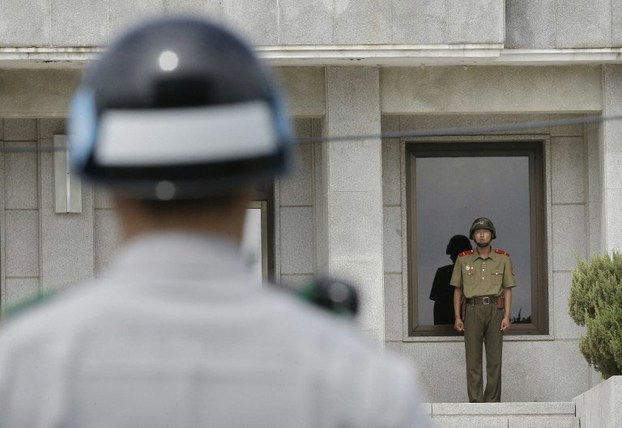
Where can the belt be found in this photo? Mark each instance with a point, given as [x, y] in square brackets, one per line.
[484, 300]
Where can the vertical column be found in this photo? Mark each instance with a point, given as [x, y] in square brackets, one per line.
[351, 189]
[66, 239]
[611, 158]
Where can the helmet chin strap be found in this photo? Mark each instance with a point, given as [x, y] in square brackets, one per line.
[482, 244]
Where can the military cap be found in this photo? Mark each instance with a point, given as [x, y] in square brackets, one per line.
[483, 223]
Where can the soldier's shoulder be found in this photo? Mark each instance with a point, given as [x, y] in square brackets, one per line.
[466, 253]
[28, 304]
[503, 253]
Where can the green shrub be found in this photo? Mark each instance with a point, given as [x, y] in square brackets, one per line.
[596, 303]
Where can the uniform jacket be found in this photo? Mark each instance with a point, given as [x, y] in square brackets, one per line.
[178, 334]
[483, 277]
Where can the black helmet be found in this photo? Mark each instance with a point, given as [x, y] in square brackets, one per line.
[483, 223]
[178, 108]
[458, 244]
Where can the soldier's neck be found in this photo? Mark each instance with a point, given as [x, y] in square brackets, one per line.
[483, 252]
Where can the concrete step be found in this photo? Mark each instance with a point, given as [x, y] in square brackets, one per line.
[503, 415]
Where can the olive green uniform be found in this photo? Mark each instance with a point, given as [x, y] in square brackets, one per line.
[480, 277]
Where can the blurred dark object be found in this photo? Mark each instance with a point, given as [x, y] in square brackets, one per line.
[337, 296]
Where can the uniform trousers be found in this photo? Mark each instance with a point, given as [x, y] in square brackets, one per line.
[482, 326]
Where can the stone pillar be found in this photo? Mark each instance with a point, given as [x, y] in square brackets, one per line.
[350, 222]
[611, 158]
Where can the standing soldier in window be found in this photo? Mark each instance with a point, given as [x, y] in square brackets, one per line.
[483, 279]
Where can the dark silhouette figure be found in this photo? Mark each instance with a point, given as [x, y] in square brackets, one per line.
[442, 293]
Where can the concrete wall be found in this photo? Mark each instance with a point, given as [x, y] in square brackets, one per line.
[563, 24]
[43, 250]
[265, 22]
[601, 406]
[517, 24]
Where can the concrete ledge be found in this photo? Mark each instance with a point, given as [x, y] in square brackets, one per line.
[361, 55]
[601, 406]
[503, 409]
[510, 415]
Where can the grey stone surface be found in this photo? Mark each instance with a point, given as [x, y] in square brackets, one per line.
[125, 14]
[102, 198]
[392, 239]
[105, 238]
[37, 93]
[390, 123]
[17, 290]
[297, 280]
[569, 240]
[504, 408]
[490, 89]
[25, 23]
[447, 22]
[568, 170]
[20, 130]
[303, 127]
[362, 22]
[256, 20]
[576, 130]
[356, 91]
[79, 23]
[530, 23]
[543, 421]
[355, 166]
[297, 187]
[428, 122]
[564, 326]
[438, 362]
[46, 183]
[541, 371]
[613, 172]
[50, 127]
[529, 372]
[20, 178]
[613, 222]
[297, 240]
[22, 243]
[366, 277]
[536, 415]
[616, 23]
[475, 421]
[594, 142]
[356, 226]
[612, 92]
[210, 8]
[315, 17]
[581, 24]
[391, 172]
[393, 307]
[601, 405]
[568, 359]
[595, 244]
[67, 247]
[305, 90]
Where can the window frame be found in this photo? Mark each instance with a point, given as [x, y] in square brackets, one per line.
[535, 148]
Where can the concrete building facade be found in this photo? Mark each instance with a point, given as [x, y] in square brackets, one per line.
[359, 68]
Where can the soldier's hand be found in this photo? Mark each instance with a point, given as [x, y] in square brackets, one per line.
[459, 325]
[505, 324]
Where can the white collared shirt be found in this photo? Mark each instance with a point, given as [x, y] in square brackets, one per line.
[178, 335]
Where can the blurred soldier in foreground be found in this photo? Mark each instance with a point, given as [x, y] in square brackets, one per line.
[179, 120]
